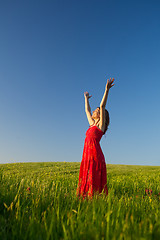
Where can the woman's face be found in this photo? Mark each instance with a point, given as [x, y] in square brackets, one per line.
[96, 113]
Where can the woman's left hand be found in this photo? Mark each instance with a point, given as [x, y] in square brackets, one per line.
[109, 83]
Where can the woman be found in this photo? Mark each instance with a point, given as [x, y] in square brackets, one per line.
[92, 175]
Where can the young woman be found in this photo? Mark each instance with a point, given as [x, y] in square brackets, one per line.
[93, 175]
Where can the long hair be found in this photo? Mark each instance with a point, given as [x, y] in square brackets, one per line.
[107, 120]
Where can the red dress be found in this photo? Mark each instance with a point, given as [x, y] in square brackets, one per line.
[92, 175]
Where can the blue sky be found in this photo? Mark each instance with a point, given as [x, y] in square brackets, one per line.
[53, 51]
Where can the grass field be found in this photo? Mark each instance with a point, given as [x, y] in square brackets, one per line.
[38, 201]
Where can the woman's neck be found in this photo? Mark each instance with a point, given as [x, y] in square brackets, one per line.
[96, 121]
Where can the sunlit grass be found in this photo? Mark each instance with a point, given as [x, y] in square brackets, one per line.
[38, 201]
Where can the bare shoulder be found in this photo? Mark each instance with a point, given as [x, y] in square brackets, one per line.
[102, 119]
[101, 127]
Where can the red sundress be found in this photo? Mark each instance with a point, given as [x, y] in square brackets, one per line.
[92, 175]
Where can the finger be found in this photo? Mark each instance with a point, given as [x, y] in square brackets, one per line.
[111, 81]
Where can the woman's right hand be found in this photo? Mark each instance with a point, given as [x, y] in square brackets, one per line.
[86, 94]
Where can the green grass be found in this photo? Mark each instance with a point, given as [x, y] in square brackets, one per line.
[51, 210]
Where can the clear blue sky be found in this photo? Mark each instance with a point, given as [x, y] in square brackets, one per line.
[53, 51]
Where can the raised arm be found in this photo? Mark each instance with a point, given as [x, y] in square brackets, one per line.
[88, 109]
[103, 103]
[105, 96]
